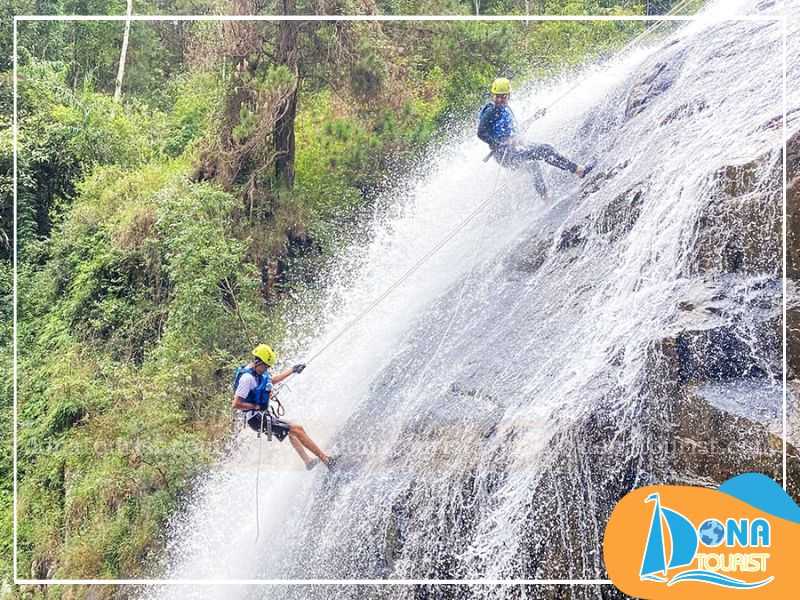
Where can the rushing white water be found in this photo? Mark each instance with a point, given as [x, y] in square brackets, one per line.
[458, 404]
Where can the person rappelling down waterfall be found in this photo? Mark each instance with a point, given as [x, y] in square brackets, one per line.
[253, 388]
[498, 128]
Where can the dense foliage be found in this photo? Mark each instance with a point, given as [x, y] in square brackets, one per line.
[147, 270]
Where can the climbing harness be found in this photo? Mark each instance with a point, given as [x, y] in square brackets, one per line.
[275, 409]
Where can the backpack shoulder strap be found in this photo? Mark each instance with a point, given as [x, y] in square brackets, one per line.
[241, 371]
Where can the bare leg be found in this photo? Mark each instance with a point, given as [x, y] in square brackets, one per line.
[296, 431]
[298, 447]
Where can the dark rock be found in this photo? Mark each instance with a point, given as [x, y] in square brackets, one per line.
[658, 80]
[739, 229]
[571, 237]
[713, 445]
[685, 110]
[793, 415]
[715, 354]
[531, 256]
[619, 216]
[738, 180]
[793, 342]
[793, 253]
[714, 342]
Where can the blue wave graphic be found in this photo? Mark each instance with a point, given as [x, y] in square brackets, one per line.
[718, 579]
[763, 493]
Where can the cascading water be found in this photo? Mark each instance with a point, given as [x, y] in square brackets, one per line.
[493, 408]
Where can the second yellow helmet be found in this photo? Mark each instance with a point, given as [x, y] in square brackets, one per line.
[265, 354]
[501, 85]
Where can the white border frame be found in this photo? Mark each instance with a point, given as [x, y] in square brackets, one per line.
[366, 582]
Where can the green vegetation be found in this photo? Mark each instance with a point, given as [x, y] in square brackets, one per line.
[159, 238]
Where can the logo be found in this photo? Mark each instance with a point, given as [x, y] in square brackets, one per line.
[685, 539]
[680, 541]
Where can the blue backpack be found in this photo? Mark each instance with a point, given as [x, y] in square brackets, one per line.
[261, 393]
[496, 125]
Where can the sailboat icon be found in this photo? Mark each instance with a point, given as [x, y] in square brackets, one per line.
[683, 544]
[682, 537]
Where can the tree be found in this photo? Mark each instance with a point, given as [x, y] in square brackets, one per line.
[284, 125]
[122, 55]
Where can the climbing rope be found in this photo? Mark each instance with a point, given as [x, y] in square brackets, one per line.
[258, 478]
[408, 273]
[276, 412]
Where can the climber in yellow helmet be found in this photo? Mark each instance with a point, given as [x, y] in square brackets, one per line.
[252, 387]
[498, 128]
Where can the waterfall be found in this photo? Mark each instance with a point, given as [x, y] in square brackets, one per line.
[490, 412]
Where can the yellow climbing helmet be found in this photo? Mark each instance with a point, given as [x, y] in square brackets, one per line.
[265, 354]
[501, 85]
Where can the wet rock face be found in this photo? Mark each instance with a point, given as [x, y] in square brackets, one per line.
[713, 344]
[710, 445]
[715, 355]
[739, 229]
[571, 237]
[685, 110]
[531, 256]
[654, 83]
[727, 329]
[619, 216]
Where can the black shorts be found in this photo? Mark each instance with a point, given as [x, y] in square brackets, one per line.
[279, 427]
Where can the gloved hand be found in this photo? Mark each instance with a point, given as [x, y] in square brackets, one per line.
[298, 368]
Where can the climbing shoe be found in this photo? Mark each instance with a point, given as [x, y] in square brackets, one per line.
[331, 463]
[312, 463]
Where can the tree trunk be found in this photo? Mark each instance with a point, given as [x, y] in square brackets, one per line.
[123, 53]
[76, 65]
[284, 126]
